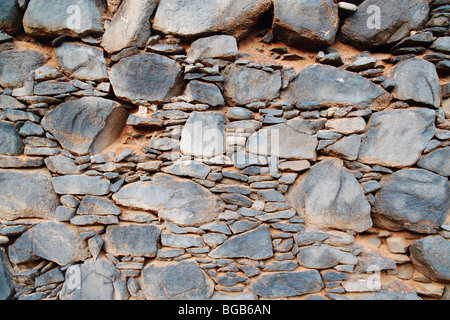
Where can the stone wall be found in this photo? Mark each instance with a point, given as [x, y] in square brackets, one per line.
[226, 149]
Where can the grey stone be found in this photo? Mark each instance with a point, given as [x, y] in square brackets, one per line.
[181, 240]
[371, 261]
[53, 241]
[61, 165]
[53, 88]
[4, 37]
[329, 196]
[98, 206]
[95, 245]
[245, 85]
[188, 168]
[10, 17]
[396, 138]
[215, 47]
[204, 134]
[396, 21]
[8, 102]
[293, 23]
[89, 220]
[238, 113]
[202, 92]
[46, 72]
[430, 257]
[132, 240]
[236, 199]
[31, 129]
[255, 244]
[145, 78]
[169, 281]
[346, 125]
[180, 201]
[64, 213]
[130, 26]
[10, 143]
[27, 194]
[346, 148]
[425, 90]
[16, 64]
[324, 257]
[238, 296]
[330, 86]
[80, 185]
[287, 284]
[305, 238]
[6, 280]
[442, 44]
[437, 161]
[187, 19]
[52, 276]
[402, 204]
[86, 125]
[52, 18]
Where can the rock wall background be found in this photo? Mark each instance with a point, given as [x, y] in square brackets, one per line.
[224, 149]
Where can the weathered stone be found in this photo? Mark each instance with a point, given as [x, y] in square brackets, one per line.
[182, 202]
[202, 92]
[287, 284]
[53, 276]
[98, 206]
[324, 257]
[306, 23]
[6, 280]
[89, 220]
[168, 281]
[146, 77]
[396, 138]
[86, 125]
[437, 161]
[187, 19]
[204, 134]
[255, 244]
[181, 240]
[346, 125]
[80, 185]
[81, 62]
[424, 90]
[330, 86]
[20, 162]
[16, 64]
[10, 18]
[380, 23]
[132, 240]
[50, 88]
[53, 241]
[346, 148]
[8, 102]
[402, 204]
[61, 165]
[10, 143]
[214, 47]
[27, 194]
[130, 26]
[47, 72]
[188, 168]
[372, 261]
[430, 257]
[245, 85]
[52, 18]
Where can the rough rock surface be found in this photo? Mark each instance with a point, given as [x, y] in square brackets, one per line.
[6, 281]
[10, 143]
[10, 17]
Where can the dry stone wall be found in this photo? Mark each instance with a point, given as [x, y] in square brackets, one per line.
[181, 149]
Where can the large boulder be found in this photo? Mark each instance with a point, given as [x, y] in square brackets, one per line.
[424, 90]
[6, 280]
[204, 134]
[330, 86]
[27, 194]
[16, 64]
[130, 25]
[306, 23]
[175, 281]
[10, 16]
[52, 241]
[412, 199]
[86, 125]
[180, 201]
[396, 138]
[145, 78]
[430, 256]
[437, 161]
[245, 85]
[384, 22]
[52, 18]
[329, 197]
[10, 143]
[194, 19]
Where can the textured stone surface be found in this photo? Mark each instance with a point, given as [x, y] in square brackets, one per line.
[437, 161]
[10, 143]
[216, 47]
[329, 196]
[6, 280]
[177, 200]
[401, 203]
[80, 185]
[27, 194]
[10, 17]
[324, 257]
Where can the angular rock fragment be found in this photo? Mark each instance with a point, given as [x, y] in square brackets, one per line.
[10, 17]
[10, 142]
[437, 161]
[215, 47]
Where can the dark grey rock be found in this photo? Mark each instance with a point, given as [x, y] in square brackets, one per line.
[180, 201]
[245, 85]
[287, 284]
[430, 257]
[424, 90]
[442, 44]
[255, 244]
[236, 199]
[10, 17]
[379, 23]
[146, 77]
[214, 47]
[132, 240]
[305, 238]
[52, 276]
[169, 281]
[402, 204]
[52, 18]
[294, 23]
[81, 185]
[10, 142]
[27, 194]
[53, 88]
[324, 257]
[46, 72]
[31, 129]
[437, 161]
[330, 86]
[86, 125]
[202, 92]
[329, 196]
[188, 19]
[6, 280]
